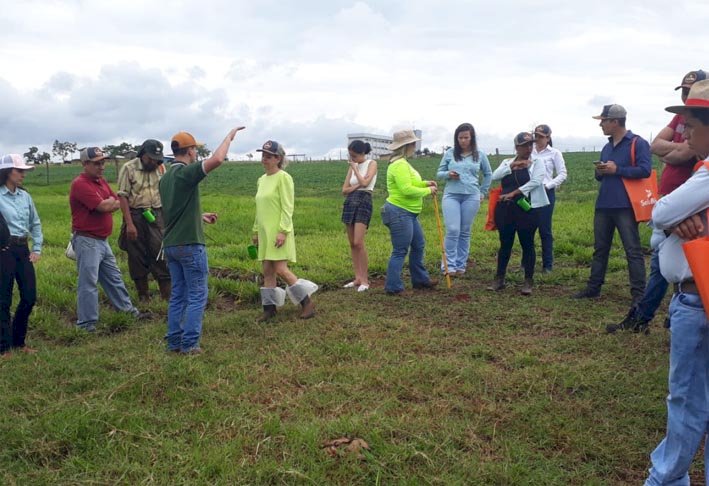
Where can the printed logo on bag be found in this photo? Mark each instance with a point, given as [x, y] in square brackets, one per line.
[649, 199]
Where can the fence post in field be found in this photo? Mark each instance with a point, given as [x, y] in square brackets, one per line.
[47, 170]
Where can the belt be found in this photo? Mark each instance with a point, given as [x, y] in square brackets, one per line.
[88, 235]
[18, 240]
[140, 210]
[686, 287]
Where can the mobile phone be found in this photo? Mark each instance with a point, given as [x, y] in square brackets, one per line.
[597, 163]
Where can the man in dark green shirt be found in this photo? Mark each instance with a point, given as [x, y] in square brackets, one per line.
[183, 239]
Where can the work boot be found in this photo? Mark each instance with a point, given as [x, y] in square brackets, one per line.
[587, 293]
[526, 287]
[269, 312]
[141, 285]
[626, 324]
[497, 284]
[165, 289]
[308, 308]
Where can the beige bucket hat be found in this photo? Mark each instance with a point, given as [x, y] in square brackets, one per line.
[401, 138]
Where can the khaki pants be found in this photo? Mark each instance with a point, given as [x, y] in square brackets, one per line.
[143, 251]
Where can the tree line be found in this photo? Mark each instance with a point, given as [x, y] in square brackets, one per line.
[66, 150]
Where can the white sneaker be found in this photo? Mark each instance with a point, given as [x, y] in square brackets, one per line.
[362, 288]
[349, 285]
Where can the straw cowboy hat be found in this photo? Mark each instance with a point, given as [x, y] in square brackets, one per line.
[698, 98]
[401, 138]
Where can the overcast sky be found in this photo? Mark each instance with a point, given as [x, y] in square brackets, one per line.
[306, 73]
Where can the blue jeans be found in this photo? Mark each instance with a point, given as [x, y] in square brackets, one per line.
[406, 237]
[188, 273]
[545, 234]
[655, 290]
[97, 265]
[459, 211]
[688, 401]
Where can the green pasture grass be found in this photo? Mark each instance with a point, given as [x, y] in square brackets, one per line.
[458, 386]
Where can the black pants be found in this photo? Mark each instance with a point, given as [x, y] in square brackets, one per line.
[507, 239]
[15, 265]
[605, 222]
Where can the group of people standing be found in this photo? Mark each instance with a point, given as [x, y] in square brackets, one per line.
[163, 234]
[532, 176]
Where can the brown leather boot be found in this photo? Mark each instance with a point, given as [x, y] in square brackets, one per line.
[141, 285]
[308, 308]
[165, 289]
[269, 312]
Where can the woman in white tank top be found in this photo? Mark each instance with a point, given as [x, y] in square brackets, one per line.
[357, 209]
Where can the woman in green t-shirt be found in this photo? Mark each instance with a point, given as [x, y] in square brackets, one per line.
[400, 214]
[273, 234]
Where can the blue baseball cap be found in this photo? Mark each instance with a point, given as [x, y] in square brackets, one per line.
[272, 147]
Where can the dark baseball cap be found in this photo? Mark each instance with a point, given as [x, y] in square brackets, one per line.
[610, 112]
[692, 77]
[523, 138]
[153, 149]
[92, 154]
[543, 130]
[272, 147]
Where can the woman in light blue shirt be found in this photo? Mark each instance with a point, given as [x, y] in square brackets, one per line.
[17, 261]
[461, 168]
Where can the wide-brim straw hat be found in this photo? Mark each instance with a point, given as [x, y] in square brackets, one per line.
[401, 138]
[698, 97]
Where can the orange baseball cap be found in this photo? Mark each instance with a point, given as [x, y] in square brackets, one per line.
[182, 140]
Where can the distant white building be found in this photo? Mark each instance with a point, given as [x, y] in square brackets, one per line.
[378, 143]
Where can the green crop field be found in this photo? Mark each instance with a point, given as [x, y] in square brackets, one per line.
[458, 386]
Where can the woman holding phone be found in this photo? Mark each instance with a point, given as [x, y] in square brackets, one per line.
[461, 167]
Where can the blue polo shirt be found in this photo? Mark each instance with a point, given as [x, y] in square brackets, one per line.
[611, 194]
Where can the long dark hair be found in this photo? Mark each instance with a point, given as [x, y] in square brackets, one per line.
[4, 174]
[457, 151]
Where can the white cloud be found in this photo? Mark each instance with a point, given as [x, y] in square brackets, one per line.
[307, 72]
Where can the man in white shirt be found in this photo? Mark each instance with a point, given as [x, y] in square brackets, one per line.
[676, 218]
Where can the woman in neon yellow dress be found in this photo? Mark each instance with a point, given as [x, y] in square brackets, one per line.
[273, 233]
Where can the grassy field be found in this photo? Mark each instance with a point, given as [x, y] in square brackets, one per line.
[457, 386]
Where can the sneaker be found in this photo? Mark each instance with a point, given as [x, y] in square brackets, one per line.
[349, 285]
[431, 284]
[642, 327]
[363, 288]
[546, 271]
[196, 351]
[587, 294]
[144, 316]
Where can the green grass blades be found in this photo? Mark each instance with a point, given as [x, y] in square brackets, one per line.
[459, 386]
